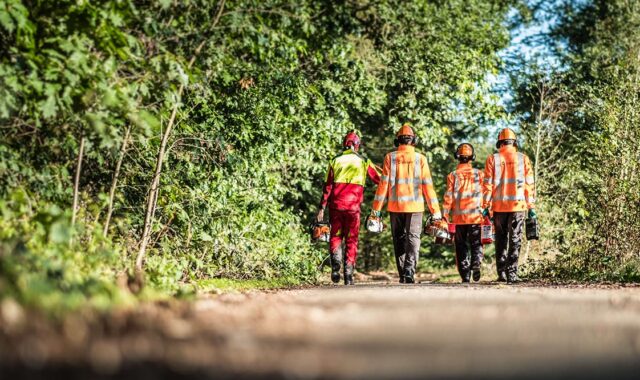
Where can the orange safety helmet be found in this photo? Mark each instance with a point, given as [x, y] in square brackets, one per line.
[505, 135]
[465, 150]
[405, 130]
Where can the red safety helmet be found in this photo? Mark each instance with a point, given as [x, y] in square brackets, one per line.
[351, 140]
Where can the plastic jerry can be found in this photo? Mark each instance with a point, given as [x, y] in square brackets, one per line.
[487, 231]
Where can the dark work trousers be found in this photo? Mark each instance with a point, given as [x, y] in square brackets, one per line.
[508, 237]
[468, 238]
[405, 229]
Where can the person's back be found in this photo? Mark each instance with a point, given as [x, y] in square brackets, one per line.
[463, 199]
[409, 171]
[349, 171]
[512, 180]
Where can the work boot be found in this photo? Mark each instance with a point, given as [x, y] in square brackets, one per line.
[348, 274]
[408, 277]
[512, 277]
[475, 272]
[502, 276]
[466, 277]
[402, 279]
[335, 268]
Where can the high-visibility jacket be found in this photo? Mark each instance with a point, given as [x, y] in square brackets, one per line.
[463, 199]
[344, 184]
[406, 183]
[508, 181]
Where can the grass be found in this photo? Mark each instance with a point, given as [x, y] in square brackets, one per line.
[230, 285]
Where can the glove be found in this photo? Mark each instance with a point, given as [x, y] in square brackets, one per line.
[532, 214]
[375, 213]
[485, 212]
[320, 216]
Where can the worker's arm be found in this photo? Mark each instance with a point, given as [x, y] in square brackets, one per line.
[488, 182]
[426, 184]
[529, 186]
[448, 198]
[372, 172]
[326, 192]
[383, 186]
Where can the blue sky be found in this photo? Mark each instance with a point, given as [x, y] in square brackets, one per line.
[526, 47]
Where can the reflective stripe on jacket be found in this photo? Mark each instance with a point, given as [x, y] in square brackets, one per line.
[463, 199]
[406, 183]
[508, 181]
[344, 185]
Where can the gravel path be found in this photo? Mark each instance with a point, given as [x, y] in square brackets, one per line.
[369, 331]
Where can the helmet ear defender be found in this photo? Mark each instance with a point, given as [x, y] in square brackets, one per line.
[473, 152]
[414, 141]
[352, 140]
[499, 143]
[507, 134]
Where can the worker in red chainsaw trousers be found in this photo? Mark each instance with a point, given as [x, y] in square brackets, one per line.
[463, 208]
[343, 192]
[509, 192]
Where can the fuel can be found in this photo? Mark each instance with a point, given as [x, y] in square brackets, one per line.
[487, 231]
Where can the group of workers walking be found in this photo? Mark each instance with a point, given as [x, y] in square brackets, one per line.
[504, 191]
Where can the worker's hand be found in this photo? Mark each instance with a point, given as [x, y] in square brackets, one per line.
[532, 214]
[320, 216]
[375, 213]
[485, 212]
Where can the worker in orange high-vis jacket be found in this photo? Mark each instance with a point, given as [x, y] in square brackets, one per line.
[509, 192]
[463, 208]
[343, 193]
[406, 184]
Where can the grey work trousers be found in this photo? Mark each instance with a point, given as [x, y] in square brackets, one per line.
[405, 229]
[508, 240]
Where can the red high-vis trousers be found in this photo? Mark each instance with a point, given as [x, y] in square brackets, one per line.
[344, 225]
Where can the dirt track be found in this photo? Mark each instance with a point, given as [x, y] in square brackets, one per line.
[363, 332]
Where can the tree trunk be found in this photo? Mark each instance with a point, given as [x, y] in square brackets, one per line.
[155, 182]
[76, 182]
[114, 181]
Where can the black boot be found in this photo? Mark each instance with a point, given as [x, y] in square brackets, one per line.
[512, 277]
[502, 276]
[408, 277]
[348, 274]
[475, 271]
[466, 277]
[335, 268]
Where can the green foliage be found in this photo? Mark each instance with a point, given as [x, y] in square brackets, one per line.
[272, 88]
[588, 156]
